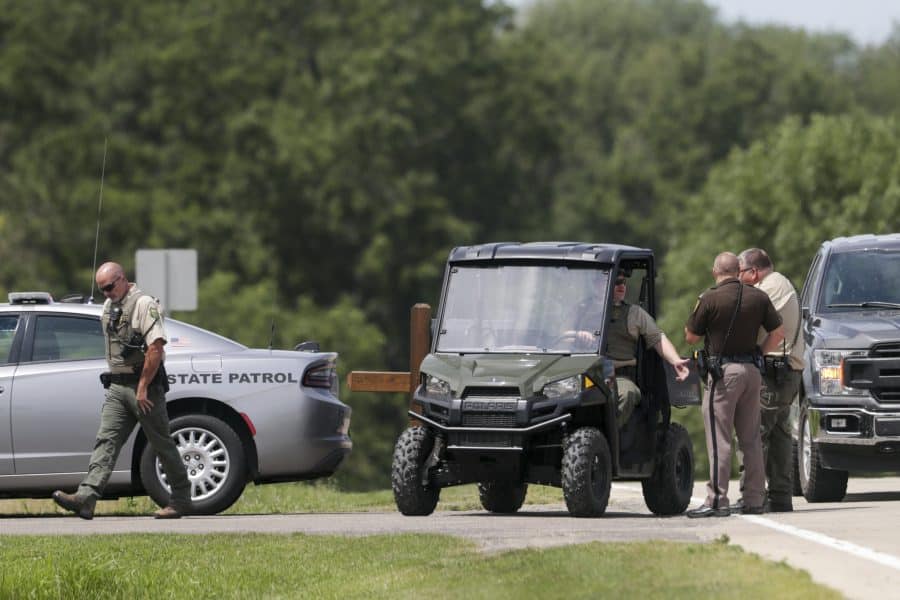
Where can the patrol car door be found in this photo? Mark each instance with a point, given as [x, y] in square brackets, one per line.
[8, 327]
[55, 410]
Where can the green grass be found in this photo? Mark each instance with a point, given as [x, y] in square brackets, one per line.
[290, 498]
[396, 566]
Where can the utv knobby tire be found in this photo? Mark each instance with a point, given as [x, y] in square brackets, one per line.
[818, 483]
[669, 489]
[586, 473]
[501, 496]
[412, 449]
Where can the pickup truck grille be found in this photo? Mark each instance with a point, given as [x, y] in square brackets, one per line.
[879, 372]
[889, 350]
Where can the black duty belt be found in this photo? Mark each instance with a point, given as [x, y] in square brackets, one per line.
[724, 359]
[630, 372]
[119, 378]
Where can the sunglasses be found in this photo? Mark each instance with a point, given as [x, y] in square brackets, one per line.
[109, 287]
[621, 281]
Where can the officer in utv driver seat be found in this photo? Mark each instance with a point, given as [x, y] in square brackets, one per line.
[135, 393]
[627, 322]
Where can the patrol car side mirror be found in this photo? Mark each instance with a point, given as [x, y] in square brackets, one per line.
[309, 346]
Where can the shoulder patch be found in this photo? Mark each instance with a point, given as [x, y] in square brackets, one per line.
[154, 312]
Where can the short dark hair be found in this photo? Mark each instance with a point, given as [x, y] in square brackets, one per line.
[756, 258]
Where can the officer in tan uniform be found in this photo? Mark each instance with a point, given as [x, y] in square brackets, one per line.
[135, 393]
[729, 316]
[627, 322]
[781, 380]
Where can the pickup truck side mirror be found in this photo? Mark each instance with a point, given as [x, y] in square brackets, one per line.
[804, 312]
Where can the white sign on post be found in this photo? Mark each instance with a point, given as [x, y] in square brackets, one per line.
[170, 275]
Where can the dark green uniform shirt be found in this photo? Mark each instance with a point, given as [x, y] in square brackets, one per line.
[713, 313]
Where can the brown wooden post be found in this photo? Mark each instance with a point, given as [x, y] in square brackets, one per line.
[419, 344]
[419, 338]
[396, 381]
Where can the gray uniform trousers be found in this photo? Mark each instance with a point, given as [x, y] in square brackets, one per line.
[736, 409]
[118, 417]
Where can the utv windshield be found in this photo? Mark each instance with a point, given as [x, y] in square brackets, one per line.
[862, 280]
[523, 308]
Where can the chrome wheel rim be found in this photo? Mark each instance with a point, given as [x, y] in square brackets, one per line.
[805, 450]
[206, 461]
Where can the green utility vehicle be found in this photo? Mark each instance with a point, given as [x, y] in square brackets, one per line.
[517, 390]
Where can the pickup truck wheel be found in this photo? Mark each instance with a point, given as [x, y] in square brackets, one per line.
[502, 497]
[412, 450]
[586, 473]
[818, 483]
[668, 490]
[213, 457]
[796, 490]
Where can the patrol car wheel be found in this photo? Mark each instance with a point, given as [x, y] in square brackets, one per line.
[586, 473]
[412, 450]
[818, 483]
[501, 496]
[668, 491]
[214, 458]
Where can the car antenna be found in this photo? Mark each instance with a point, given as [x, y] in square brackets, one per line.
[274, 312]
[99, 208]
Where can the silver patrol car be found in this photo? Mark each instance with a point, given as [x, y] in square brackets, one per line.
[237, 414]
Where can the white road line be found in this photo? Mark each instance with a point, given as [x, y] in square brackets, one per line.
[848, 547]
[887, 560]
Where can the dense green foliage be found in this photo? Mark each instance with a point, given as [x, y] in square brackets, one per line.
[323, 157]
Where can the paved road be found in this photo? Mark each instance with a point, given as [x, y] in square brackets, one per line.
[851, 546]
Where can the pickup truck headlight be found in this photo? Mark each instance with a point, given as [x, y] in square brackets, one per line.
[563, 387]
[829, 366]
[437, 387]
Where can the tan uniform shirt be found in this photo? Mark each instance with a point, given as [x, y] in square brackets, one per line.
[784, 297]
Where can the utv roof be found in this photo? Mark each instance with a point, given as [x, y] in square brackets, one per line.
[864, 242]
[576, 251]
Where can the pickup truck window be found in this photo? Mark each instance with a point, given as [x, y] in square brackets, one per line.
[862, 280]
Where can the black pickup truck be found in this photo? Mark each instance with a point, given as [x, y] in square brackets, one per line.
[848, 417]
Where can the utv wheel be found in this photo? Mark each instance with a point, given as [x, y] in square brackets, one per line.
[818, 483]
[586, 473]
[412, 449]
[213, 457]
[669, 489]
[502, 497]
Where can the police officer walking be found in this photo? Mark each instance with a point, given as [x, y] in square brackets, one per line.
[781, 380]
[135, 393]
[729, 316]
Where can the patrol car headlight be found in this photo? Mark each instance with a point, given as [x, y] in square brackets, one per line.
[829, 370]
[437, 387]
[563, 387]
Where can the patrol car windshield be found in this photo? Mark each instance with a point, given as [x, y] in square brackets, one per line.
[862, 281]
[514, 308]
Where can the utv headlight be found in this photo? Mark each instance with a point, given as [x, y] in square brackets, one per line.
[437, 387]
[563, 387]
[829, 367]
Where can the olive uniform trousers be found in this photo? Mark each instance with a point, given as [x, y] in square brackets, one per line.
[118, 417]
[775, 429]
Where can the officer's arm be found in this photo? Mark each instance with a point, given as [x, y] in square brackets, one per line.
[770, 344]
[152, 359]
[690, 337]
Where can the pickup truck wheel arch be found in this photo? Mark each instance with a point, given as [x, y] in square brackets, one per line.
[818, 483]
